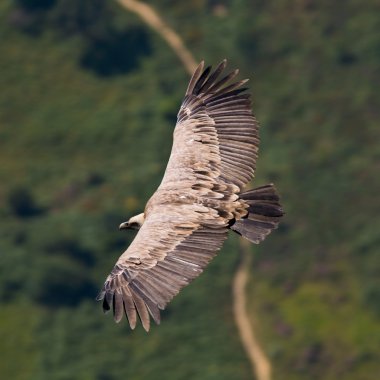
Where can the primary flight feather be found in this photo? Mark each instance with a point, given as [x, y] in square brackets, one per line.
[200, 198]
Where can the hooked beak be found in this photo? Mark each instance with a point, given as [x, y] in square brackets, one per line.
[124, 226]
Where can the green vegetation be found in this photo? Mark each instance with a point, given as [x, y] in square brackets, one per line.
[88, 103]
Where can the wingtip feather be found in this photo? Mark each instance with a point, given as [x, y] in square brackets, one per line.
[100, 296]
[197, 73]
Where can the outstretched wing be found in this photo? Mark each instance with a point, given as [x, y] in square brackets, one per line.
[228, 111]
[169, 251]
[213, 156]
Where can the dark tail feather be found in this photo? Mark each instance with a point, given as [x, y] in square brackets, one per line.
[264, 213]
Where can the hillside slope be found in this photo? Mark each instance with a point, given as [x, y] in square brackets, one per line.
[87, 109]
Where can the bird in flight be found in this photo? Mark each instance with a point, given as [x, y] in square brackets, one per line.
[199, 200]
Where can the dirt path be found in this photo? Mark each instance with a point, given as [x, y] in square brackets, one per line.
[151, 17]
[259, 362]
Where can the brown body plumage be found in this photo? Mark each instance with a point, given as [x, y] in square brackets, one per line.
[200, 198]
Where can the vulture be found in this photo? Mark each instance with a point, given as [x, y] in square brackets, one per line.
[201, 197]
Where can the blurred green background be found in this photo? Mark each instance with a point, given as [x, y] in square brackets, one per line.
[88, 102]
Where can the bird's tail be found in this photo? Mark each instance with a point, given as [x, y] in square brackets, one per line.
[264, 213]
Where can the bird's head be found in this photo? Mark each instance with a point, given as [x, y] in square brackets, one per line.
[133, 223]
